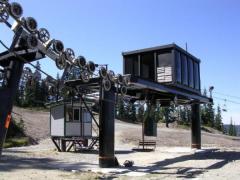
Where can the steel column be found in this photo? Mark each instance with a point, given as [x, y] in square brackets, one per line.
[7, 95]
[63, 145]
[106, 129]
[196, 127]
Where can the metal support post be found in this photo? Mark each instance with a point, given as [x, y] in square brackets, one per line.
[7, 95]
[63, 145]
[106, 129]
[196, 127]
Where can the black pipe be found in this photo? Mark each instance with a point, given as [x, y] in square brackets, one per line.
[196, 127]
[106, 129]
[7, 96]
[63, 145]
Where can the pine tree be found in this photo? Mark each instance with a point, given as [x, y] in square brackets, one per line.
[204, 117]
[232, 129]
[120, 109]
[218, 120]
[140, 114]
[158, 113]
[43, 92]
[210, 115]
[17, 99]
[132, 112]
[32, 89]
[29, 93]
[127, 112]
[36, 86]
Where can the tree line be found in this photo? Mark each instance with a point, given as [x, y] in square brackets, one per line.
[33, 92]
[133, 112]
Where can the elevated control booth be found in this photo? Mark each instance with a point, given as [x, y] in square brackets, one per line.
[167, 74]
[170, 65]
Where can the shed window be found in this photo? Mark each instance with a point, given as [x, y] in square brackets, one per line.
[76, 113]
[86, 116]
[72, 114]
[69, 114]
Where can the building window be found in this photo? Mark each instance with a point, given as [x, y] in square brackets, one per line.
[76, 113]
[72, 114]
[196, 76]
[184, 69]
[69, 114]
[178, 67]
[147, 66]
[86, 116]
[190, 70]
[132, 65]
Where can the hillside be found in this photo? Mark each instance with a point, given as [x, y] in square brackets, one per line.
[36, 123]
[37, 127]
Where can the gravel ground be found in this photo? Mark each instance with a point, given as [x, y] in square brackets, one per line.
[219, 158]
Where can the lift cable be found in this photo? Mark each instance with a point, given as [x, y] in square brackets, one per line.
[224, 99]
[25, 61]
[227, 95]
[224, 94]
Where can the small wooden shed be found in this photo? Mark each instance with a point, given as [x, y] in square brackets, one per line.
[70, 120]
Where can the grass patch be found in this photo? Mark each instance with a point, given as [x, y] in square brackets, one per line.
[183, 126]
[44, 109]
[16, 142]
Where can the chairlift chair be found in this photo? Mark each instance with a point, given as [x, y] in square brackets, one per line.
[224, 108]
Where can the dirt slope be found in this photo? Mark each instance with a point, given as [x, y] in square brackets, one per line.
[36, 122]
[37, 127]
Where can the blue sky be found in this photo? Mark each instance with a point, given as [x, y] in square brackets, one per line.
[101, 30]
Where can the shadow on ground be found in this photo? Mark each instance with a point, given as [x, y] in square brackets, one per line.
[162, 167]
[10, 163]
[13, 162]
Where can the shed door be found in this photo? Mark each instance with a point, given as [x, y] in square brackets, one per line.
[73, 123]
[87, 123]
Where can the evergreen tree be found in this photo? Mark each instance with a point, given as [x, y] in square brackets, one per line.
[225, 131]
[43, 92]
[37, 93]
[185, 115]
[140, 114]
[161, 114]
[127, 112]
[17, 99]
[37, 86]
[120, 109]
[32, 89]
[29, 93]
[232, 129]
[204, 111]
[210, 115]
[132, 112]
[218, 120]
[158, 115]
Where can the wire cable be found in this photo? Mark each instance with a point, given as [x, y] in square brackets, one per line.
[224, 99]
[226, 95]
